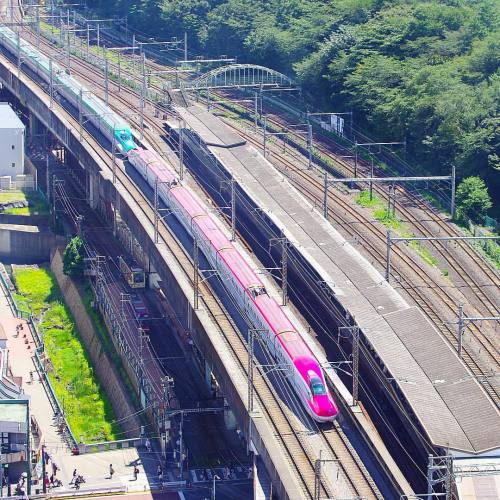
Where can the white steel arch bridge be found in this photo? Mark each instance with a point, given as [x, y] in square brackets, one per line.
[239, 75]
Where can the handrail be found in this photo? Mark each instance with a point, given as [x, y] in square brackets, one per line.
[52, 396]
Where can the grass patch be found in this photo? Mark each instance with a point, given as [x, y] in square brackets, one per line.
[379, 209]
[424, 253]
[388, 220]
[87, 409]
[36, 203]
[363, 199]
[12, 196]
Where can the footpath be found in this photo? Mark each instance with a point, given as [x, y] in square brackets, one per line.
[94, 467]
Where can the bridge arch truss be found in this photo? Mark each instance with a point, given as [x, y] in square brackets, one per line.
[239, 76]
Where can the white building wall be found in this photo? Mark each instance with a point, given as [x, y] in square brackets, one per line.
[11, 152]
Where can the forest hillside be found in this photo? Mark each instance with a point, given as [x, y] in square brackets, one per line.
[424, 70]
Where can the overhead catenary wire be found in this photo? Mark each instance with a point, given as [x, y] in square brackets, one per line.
[339, 316]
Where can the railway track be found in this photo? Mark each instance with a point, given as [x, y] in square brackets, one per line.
[301, 459]
[367, 232]
[488, 276]
[489, 281]
[326, 146]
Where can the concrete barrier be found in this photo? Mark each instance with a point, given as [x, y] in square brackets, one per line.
[109, 445]
[112, 490]
[27, 243]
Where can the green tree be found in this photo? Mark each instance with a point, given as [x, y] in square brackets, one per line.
[427, 71]
[473, 199]
[73, 258]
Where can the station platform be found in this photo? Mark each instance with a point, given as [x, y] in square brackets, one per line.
[217, 134]
[447, 400]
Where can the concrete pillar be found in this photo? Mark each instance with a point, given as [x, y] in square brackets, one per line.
[208, 373]
[230, 420]
[31, 126]
[189, 317]
[154, 278]
[36, 129]
[93, 195]
[87, 187]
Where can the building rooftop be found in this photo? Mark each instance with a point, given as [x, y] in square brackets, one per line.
[13, 412]
[8, 118]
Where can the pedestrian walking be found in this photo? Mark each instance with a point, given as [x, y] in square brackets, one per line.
[111, 471]
[55, 468]
[77, 483]
[159, 470]
[73, 479]
[136, 472]
[31, 376]
[148, 445]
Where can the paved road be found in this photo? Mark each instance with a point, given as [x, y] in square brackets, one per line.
[145, 496]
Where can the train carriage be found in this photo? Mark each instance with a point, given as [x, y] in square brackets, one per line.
[246, 288]
[101, 116]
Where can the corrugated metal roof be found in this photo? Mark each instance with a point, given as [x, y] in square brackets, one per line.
[8, 118]
[456, 413]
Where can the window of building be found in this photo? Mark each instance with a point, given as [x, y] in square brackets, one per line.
[4, 442]
[13, 147]
[13, 165]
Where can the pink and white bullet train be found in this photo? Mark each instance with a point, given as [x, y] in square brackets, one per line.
[282, 338]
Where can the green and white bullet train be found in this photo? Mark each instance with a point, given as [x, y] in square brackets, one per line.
[94, 110]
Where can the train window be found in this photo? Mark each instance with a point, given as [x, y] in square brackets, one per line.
[317, 387]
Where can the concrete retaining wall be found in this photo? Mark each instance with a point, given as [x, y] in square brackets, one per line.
[104, 368]
[25, 220]
[23, 243]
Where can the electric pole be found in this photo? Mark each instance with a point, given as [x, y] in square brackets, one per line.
[106, 77]
[196, 262]
[233, 210]
[143, 93]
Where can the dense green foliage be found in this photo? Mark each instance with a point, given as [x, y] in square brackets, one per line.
[87, 409]
[73, 258]
[473, 200]
[424, 70]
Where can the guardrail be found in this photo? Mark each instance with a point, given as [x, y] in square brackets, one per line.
[87, 492]
[8, 287]
[120, 444]
[53, 398]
